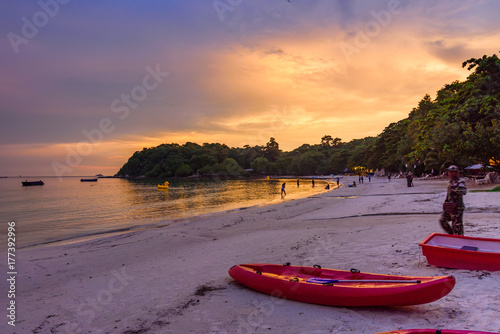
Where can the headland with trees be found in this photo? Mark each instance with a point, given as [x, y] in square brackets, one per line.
[460, 126]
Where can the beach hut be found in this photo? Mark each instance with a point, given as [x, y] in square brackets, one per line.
[475, 169]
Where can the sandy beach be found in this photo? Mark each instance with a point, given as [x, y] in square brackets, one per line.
[174, 279]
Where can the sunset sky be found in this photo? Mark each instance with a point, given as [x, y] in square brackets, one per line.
[85, 84]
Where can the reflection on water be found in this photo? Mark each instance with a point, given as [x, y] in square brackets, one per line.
[69, 209]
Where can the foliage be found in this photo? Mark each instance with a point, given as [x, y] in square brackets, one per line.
[272, 150]
[183, 170]
[260, 165]
[461, 126]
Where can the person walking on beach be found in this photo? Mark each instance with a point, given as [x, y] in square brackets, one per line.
[453, 207]
[409, 179]
[283, 192]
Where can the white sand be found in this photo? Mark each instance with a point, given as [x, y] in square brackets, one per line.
[174, 279]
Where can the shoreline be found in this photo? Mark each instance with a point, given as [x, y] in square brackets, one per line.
[174, 280]
[132, 227]
[135, 228]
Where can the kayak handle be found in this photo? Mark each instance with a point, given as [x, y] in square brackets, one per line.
[317, 266]
[355, 271]
[375, 281]
[328, 281]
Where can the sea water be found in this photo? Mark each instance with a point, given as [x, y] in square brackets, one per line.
[65, 209]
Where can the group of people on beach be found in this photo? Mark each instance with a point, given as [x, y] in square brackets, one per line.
[453, 206]
[283, 186]
[283, 191]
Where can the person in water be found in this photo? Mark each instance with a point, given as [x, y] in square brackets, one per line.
[283, 192]
[453, 207]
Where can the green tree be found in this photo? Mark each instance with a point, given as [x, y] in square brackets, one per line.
[308, 162]
[284, 164]
[326, 140]
[260, 165]
[272, 150]
[183, 170]
[231, 167]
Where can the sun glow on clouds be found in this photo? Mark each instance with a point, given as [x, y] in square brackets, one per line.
[316, 89]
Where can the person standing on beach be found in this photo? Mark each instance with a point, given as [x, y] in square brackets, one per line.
[338, 181]
[283, 192]
[453, 207]
[409, 179]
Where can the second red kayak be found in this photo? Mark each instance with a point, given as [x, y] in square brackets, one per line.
[341, 288]
[462, 252]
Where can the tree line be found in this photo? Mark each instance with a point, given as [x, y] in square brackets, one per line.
[460, 126]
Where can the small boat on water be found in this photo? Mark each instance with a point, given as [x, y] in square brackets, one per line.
[462, 252]
[341, 288]
[32, 183]
[163, 186]
[88, 180]
[434, 331]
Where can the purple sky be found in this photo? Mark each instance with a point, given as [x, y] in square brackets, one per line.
[84, 84]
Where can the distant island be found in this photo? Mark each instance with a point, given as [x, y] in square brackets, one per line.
[460, 126]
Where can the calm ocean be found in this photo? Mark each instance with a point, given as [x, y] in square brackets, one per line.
[68, 210]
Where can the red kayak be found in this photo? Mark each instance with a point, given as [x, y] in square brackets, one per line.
[455, 251]
[434, 331]
[341, 288]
